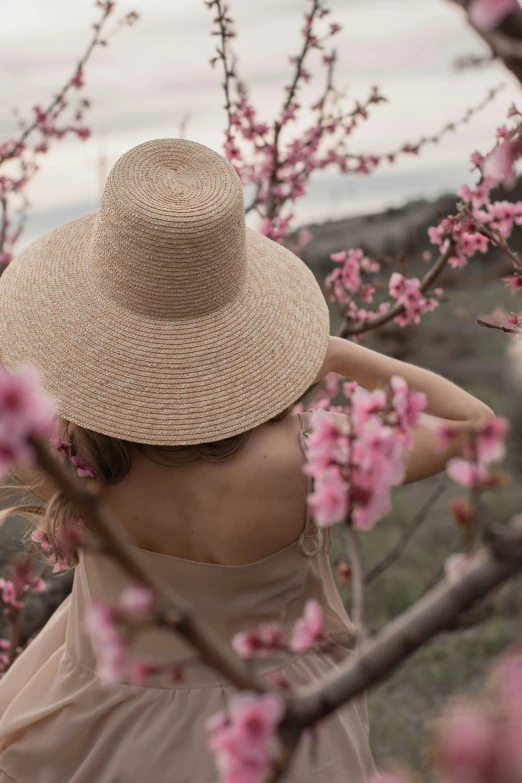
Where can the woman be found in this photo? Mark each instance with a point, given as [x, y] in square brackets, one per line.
[160, 321]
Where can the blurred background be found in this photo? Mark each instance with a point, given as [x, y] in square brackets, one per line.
[155, 80]
[156, 77]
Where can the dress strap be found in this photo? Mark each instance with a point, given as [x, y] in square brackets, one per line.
[312, 539]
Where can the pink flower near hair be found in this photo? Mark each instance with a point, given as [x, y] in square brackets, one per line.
[243, 739]
[258, 641]
[488, 14]
[309, 628]
[40, 537]
[467, 745]
[83, 470]
[59, 447]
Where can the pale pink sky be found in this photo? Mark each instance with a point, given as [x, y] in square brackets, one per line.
[151, 75]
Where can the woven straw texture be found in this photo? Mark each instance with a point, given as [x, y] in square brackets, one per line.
[161, 318]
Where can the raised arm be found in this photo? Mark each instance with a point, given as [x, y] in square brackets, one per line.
[446, 402]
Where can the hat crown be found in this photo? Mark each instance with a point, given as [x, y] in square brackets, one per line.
[170, 236]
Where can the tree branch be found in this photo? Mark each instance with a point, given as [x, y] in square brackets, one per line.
[406, 536]
[347, 329]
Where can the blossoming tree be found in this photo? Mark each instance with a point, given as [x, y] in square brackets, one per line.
[355, 461]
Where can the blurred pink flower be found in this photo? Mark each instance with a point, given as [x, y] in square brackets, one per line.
[83, 470]
[455, 565]
[465, 473]
[137, 600]
[499, 164]
[466, 746]
[488, 14]
[243, 738]
[309, 628]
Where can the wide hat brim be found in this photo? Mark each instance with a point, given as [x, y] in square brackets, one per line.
[154, 380]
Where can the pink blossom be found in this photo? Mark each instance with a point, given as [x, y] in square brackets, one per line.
[490, 440]
[83, 470]
[260, 641]
[110, 646]
[25, 412]
[40, 537]
[137, 600]
[488, 14]
[465, 473]
[467, 746]
[140, 671]
[243, 738]
[309, 628]
[408, 405]
[329, 500]
[59, 447]
[499, 164]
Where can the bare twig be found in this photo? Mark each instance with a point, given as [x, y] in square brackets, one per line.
[489, 325]
[406, 536]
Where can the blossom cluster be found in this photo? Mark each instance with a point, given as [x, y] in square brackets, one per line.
[486, 446]
[348, 286]
[356, 459]
[307, 631]
[480, 222]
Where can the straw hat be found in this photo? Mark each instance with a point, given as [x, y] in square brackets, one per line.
[161, 318]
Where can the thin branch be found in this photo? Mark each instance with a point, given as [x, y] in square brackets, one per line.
[489, 325]
[347, 329]
[406, 536]
[59, 98]
[357, 582]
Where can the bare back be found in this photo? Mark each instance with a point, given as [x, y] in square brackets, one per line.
[230, 513]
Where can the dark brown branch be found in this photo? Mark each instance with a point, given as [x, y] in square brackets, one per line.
[406, 536]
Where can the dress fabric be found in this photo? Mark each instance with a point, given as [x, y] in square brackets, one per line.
[61, 723]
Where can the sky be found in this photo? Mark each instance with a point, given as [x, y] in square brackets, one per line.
[155, 74]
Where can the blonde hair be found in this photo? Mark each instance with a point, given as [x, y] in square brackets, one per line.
[110, 460]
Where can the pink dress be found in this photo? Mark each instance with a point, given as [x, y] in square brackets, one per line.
[59, 723]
